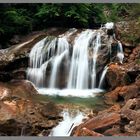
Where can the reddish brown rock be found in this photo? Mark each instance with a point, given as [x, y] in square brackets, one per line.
[128, 92]
[21, 113]
[112, 131]
[123, 93]
[86, 132]
[112, 96]
[17, 89]
[115, 108]
[100, 122]
[130, 104]
[116, 76]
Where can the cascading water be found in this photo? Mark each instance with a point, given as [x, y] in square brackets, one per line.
[38, 64]
[80, 56]
[95, 55]
[103, 77]
[79, 69]
[70, 121]
[51, 57]
[120, 53]
[62, 51]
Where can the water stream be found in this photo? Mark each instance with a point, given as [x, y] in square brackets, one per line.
[70, 68]
[70, 120]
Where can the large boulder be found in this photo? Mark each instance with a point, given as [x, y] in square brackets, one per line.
[22, 113]
[117, 76]
[123, 93]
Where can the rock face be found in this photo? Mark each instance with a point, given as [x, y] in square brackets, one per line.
[127, 100]
[14, 60]
[128, 32]
[117, 76]
[22, 114]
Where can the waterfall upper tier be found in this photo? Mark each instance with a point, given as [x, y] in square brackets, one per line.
[73, 60]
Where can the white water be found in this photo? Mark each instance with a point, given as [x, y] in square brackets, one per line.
[74, 59]
[82, 75]
[109, 25]
[38, 64]
[62, 51]
[82, 93]
[95, 55]
[69, 121]
[102, 77]
[120, 53]
[79, 69]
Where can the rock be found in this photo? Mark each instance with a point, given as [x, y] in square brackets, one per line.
[123, 93]
[86, 132]
[15, 40]
[127, 32]
[16, 57]
[101, 122]
[130, 104]
[19, 74]
[5, 76]
[112, 131]
[129, 92]
[129, 114]
[113, 96]
[21, 113]
[137, 124]
[115, 109]
[117, 76]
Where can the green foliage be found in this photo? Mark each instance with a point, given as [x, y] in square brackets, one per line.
[23, 18]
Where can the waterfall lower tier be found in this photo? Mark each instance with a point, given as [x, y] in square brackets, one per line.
[69, 121]
[72, 60]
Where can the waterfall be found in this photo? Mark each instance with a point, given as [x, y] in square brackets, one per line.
[62, 51]
[95, 55]
[56, 65]
[37, 71]
[120, 53]
[109, 25]
[71, 57]
[69, 122]
[79, 69]
[103, 77]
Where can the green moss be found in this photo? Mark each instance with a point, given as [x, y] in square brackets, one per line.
[137, 61]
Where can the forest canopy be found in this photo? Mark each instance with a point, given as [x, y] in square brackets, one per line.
[25, 18]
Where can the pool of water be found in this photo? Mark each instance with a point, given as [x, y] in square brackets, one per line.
[76, 105]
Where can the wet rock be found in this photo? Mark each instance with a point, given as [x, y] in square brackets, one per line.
[21, 113]
[86, 132]
[117, 76]
[101, 122]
